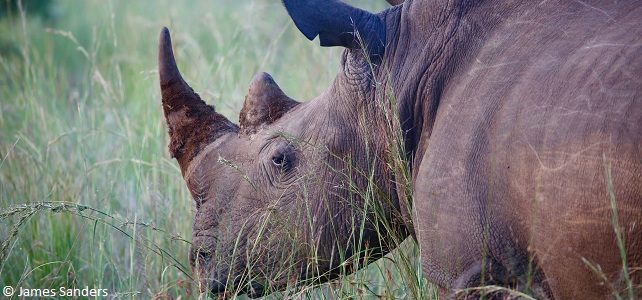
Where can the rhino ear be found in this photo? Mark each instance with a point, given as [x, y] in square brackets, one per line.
[395, 2]
[338, 24]
[264, 103]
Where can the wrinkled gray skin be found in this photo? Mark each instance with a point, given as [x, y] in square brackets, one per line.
[522, 124]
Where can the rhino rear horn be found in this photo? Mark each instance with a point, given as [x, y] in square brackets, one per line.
[192, 123]
[265, 103]
[338, 24]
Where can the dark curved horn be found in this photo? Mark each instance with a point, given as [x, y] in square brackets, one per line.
[395, 2]
[171, 81]
[338, 24]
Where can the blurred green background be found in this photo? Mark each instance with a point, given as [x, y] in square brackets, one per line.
[88, 193]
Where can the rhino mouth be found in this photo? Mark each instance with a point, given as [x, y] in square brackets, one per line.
[220, 288]
[254, 290]
[225, 284]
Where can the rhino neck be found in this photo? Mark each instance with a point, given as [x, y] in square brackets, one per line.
[421, 63]
[356, 105]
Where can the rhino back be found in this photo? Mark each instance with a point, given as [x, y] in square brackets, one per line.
[526, 138]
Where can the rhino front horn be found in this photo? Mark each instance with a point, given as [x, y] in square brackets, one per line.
[171, 81]
[192, 123]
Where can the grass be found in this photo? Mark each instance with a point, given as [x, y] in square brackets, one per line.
[88, 193]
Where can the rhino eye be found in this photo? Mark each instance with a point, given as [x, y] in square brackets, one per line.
[284, 160]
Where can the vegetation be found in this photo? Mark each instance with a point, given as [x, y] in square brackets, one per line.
[88, 193]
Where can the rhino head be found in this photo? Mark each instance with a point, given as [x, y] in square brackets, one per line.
[297, 188]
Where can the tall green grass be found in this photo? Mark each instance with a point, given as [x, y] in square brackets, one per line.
[88, 193]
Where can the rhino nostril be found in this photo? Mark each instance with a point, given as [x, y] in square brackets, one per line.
[198, 258]
[204, 255]
[217, 287]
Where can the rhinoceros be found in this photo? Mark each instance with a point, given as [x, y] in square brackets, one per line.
[520, 123]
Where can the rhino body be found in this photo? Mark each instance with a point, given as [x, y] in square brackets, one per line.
[522, 129]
